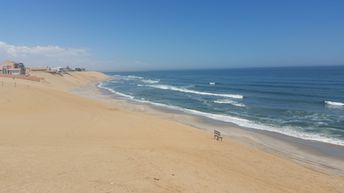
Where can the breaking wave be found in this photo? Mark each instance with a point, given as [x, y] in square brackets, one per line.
[136, 78]
[332, 103]
[101, 85]
[174, 88]
[149, 81]
[228, 101]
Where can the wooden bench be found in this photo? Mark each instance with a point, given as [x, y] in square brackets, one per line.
[217, 135]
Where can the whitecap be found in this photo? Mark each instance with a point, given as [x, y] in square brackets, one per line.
[228, 101]
[134, 77]
[149, 81]
[332, 103]
[129, 77]
[174, 88]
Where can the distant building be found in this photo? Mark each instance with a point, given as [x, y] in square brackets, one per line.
[69, 69]
[80, 69]
[57, 70]
[64, 70]
[12, 68]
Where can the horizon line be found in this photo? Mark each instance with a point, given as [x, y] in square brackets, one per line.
[222, 68]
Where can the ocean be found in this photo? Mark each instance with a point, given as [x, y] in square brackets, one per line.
[302, 102]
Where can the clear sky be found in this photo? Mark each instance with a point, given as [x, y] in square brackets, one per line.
[172, 34]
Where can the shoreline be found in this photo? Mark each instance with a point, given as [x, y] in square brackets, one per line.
[314, 154]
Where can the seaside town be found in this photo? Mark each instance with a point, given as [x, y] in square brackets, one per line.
[11, 69]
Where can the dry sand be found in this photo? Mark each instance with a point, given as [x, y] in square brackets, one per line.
[55, 141]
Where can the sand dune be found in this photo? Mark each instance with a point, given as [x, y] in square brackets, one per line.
[54, 141]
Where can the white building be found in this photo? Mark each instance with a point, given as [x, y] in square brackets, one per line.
[12, 68]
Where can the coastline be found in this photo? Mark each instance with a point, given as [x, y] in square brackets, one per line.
[318, 155]
[63, 135]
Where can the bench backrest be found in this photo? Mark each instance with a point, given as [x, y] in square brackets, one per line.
[217, 132]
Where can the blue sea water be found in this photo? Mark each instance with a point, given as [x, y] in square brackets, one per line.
[303, 102]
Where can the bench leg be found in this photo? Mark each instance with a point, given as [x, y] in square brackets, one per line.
[217, 138]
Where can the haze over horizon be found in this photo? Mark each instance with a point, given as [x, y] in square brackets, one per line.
[162, 35]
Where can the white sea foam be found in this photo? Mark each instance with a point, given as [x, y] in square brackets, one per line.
[332, 103]
[100, 85]
[240, 121]
[137, 78]
[129, 77]
[134, 77]
[149, 81]
[212, 83]
[174, 88]
[228, 101]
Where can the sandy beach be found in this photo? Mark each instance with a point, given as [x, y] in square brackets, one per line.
[53, 140]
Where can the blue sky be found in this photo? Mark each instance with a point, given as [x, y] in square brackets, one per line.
[162, 34]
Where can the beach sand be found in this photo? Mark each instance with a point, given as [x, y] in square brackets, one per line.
[52, 140]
